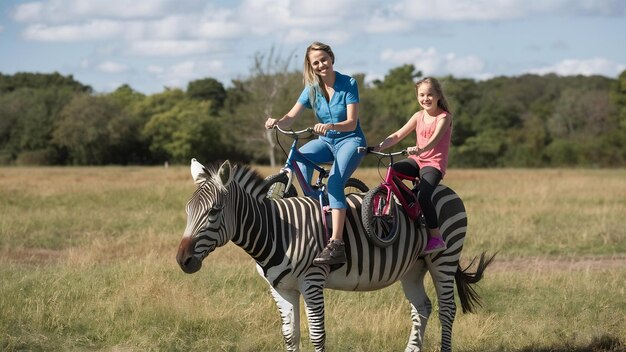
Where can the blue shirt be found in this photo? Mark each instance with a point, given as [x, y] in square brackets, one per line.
[335, 110]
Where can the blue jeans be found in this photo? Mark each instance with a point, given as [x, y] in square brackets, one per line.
[345, 158]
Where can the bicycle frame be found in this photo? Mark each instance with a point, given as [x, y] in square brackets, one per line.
[291, 167]
[394, 185]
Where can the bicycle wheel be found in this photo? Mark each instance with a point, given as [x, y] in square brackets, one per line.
[275, 187]
[354, 185]
[380, 220]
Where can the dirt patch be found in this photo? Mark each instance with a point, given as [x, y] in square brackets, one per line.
[31, 256]
[558, 264]
[48, 256]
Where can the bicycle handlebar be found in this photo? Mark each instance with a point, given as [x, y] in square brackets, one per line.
[293, 133]
[370, 150]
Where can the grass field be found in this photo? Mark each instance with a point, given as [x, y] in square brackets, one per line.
[87, 264]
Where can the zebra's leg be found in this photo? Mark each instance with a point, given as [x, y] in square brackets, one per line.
[443, 278]
[313, 294]
[288, 302]
[413, 286]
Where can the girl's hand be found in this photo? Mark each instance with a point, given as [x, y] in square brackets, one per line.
[322, 128]
[413, 151]
[270, 123]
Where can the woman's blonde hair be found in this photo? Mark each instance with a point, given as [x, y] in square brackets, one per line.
[442, 102]
[310, 78]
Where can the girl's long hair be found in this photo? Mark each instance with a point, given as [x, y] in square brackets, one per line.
[442, 102]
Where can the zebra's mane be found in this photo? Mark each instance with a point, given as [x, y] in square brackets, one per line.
[247, 178]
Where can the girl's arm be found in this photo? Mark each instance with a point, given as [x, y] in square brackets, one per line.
[442, 126]
[399, 135]
[286, 121]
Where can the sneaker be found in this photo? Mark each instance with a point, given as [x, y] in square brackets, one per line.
[435, 244]
[334, 253]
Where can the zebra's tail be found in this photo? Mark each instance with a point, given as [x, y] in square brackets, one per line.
[464, 280]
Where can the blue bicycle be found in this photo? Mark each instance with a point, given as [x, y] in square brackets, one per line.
[280, 185]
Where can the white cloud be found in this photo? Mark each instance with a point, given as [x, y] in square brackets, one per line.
[383, 25]
[218, 30]
[169, 47]
[155, 70]
[1, 28]
[31, 11]
[93, 30]
[325, 8]
[264, 16]
[431, 62]
[460, 10]
[112, 67]
[594, 66]
[463, 66]
[55, 11]
[229, 30]
[178, 75]
[320, 18]
[496, 10]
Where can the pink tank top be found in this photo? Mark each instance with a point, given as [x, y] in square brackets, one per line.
[438, 156]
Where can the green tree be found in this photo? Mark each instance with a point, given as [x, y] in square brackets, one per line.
[83, 129]
[461, 93]
[482, 150]
[10, 83]
[126, 142]
[208, 89]
[185, 131]
[23, 123]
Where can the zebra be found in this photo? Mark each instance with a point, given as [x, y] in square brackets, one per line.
[283, 236]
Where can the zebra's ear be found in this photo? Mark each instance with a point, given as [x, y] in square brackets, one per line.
[198, 172]
[225, 173]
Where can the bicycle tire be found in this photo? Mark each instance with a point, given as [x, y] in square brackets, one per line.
[275, 187]
[354, 185]
[381, 229]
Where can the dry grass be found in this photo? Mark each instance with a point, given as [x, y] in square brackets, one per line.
[87, 263]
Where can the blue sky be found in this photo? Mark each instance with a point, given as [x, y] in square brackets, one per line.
[152, 44]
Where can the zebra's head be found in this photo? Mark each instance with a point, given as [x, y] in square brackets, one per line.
[204, 231]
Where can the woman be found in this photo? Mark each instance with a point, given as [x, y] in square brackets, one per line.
[334, 98]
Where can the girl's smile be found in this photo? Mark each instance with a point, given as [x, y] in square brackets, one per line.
[428, 99]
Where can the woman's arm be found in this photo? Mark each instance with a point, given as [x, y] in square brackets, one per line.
[352, 113]
[286, 121]
[399, 135]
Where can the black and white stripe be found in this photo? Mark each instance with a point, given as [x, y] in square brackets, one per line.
[283, 237]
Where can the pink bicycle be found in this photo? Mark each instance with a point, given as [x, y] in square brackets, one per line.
[380, 210]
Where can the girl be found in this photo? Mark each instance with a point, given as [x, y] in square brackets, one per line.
[428, 159]
[334, 98]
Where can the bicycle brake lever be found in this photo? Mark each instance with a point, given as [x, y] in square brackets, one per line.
[364, 149]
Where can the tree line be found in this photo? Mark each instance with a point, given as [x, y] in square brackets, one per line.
[522, 121]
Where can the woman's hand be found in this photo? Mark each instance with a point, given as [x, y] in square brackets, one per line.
[270, 123]
[413, 150]
[322, 128]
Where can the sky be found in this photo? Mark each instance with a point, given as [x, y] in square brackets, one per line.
[154, 44]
